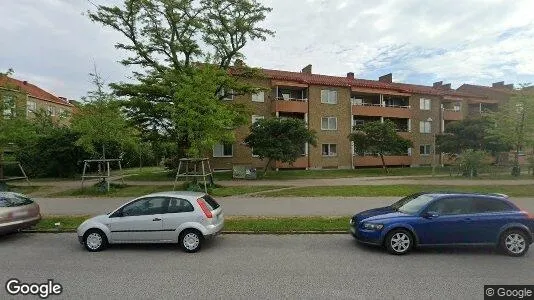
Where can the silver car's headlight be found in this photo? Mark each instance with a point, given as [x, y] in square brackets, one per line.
[373, 226]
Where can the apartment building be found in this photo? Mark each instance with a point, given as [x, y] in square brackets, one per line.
[333, 105]
[22, 96]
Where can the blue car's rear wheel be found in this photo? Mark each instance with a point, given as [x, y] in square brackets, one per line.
[514, 242]
[399, 241]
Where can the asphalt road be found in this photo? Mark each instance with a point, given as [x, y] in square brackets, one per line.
[245, 206]
[256, 267]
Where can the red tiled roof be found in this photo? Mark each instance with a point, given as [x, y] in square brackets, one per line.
[490, 88]
[32, 90]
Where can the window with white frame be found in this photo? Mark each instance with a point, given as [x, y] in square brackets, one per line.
[258, 97]
[329, 96]
[329, 149]
[255, 118]
[226, 94]
[425, 149]
[425, 127]
[8, 105]
[31, 106]
[223, 150]
[329, 123]
[51, 111]
[424, 103]
[457, 106]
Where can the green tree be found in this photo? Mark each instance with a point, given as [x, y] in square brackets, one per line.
[279, 140]
[379, 139]
[15, 129]
[177, 43]
[514, 123]
[469, 134]
[472, 160]
[100, 122]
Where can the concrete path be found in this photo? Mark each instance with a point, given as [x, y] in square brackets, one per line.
[245, 206]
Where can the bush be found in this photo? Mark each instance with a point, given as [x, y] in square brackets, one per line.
[472, 160]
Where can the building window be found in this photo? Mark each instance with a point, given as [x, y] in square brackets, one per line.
[425, 127]
[329, 96]
[258, 97]
[223, 150]
[424, 103]
[425, 149]
[8, 103]
[31, 106]
[457, 106]
[51, 111]
[255, 118]
[329, 123]
[226, 95]
[329, 149]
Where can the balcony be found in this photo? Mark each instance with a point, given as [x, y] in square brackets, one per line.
[293, 100]
[380, 110]
[452, 114]
[300, 163]
[373, 161]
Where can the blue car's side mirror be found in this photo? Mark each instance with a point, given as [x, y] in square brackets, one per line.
[430, 215]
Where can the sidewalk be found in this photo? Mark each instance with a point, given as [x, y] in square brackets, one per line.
[245, 206]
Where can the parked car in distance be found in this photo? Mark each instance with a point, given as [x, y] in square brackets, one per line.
[186, 218]
[440, 219]
[17, 212]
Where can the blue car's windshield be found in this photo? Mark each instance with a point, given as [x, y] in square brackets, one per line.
[412, 204]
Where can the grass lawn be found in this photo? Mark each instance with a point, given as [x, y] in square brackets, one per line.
[398, 190]
[240, 224]
[151, 174]
[26, 189]
[139, 190]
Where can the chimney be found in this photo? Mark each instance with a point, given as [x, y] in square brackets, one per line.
[388, 78]
[498, 84]
[446, 86]
[25, 82]
[350, 75]
[63, 98]
[307, 69]
[437, 84]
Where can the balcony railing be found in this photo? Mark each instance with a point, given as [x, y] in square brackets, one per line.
[359, 103]
[292, 99]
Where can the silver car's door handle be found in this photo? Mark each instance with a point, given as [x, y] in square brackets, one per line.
[156, 219]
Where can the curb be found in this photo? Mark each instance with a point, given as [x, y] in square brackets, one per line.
[222, 232]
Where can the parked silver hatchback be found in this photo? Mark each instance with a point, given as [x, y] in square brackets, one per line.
[186, 218]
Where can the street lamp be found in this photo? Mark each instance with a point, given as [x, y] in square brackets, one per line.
[433, 147]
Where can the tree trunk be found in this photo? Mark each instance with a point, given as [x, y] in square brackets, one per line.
[1, 163]
[267, 167]
[103, 151]
[384, 163]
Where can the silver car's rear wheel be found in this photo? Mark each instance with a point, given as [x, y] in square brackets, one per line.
[94, 240]
[190, 240]
[514, 243]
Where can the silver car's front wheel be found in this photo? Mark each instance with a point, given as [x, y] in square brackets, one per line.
[190, 240]
[94, 240]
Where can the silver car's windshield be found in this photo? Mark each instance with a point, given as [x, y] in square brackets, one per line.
[14, 200]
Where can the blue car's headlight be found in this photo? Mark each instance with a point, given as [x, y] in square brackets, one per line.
[351, 221]
[373, 226]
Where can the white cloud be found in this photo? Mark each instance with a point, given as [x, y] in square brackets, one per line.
[479, 41]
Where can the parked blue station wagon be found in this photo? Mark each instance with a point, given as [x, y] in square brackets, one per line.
[439, 219]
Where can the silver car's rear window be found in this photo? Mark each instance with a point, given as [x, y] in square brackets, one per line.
[211, 202]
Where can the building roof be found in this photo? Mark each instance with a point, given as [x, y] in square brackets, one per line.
[32, 90]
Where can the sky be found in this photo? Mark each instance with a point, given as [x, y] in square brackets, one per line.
[52, 43]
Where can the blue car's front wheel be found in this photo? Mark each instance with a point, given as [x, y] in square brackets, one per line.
[514, 242]
[399, 241]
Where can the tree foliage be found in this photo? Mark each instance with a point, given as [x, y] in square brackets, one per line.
[472, 160]
[279, 139]
[100, 122]
[379, 139]
[469, 134]
[173, 41]
[514, 123]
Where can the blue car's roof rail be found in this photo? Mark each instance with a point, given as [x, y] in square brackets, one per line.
[500, 195]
